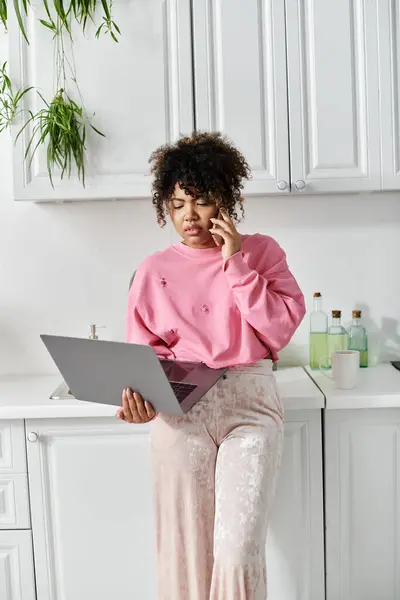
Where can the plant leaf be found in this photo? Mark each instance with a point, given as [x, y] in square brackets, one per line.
[24, 127]
[96, 130]
[20, 94]
[25, 5]
[50, 26]
[3, 13]
[39, 94]
[19, 17]
[97, 34]
[48, 13]
[106, 9]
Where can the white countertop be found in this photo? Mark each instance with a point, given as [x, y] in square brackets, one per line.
[27, 397]
[297, 390]
[378, 387]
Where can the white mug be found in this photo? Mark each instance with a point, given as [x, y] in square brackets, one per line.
[345, 368]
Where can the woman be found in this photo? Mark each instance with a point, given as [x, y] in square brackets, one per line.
[227, 300]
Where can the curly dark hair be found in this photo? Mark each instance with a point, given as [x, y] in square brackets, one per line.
[203, 164]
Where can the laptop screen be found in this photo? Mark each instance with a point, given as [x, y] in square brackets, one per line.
[177, 371]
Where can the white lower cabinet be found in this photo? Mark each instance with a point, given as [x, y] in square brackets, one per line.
[91, 507]
[92, 511]
[295, 541]
[362, 469]
[17, 580]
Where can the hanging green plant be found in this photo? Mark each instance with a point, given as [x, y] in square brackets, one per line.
[62, 126]
[9, 100]
[80, 10]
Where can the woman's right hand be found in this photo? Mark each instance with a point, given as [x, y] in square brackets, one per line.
[134, 409]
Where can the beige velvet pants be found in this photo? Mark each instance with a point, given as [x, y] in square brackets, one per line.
[215, 472]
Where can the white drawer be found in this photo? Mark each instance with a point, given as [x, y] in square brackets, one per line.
[17, 580]
[14, 502]
[12, 447]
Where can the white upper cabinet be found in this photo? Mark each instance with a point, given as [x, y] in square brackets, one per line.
[307, 89]
[241, 85]
[296, 86]
[333, 85]
[140, 90]
[389, 66]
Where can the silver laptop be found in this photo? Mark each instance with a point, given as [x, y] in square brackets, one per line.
[98, 371]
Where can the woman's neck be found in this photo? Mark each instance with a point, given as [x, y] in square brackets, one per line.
[204, 246]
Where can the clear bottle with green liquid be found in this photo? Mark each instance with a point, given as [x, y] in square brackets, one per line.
[338, 337]
[318, 333]
[358, 338]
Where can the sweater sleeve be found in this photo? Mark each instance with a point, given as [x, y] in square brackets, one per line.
[268, 296]
[137, 331]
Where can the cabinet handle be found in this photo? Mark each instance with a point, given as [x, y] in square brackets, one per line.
[282, 185]
[32, 436]
[300, 184]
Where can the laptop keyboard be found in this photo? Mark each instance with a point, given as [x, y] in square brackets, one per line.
[182, 390]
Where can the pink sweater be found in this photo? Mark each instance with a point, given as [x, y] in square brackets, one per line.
[190, 305]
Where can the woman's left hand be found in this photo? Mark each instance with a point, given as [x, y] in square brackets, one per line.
[226, 229]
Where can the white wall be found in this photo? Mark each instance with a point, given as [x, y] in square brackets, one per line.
[65, 266]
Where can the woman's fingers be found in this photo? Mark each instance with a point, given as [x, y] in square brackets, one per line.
[134, 409]
[224, 226]
[132, 406]
[125, 405]
[224, 235]
[149, 410]
[217, 239]
[140, 408]
[120, 414]
[226, 217]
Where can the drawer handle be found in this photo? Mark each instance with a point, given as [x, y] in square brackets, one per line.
[32, 436]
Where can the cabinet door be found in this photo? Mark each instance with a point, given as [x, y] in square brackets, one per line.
[333, 86]
[389, 69]
[16, 566]
[295, 540]
[362, 467]
[12, 447]
[14, 501]
[240, 83]
[92, 509]
[140, 90]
